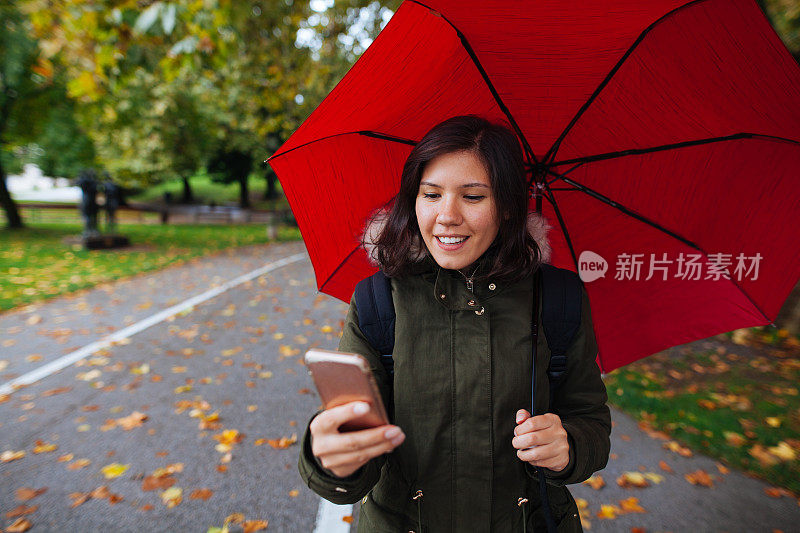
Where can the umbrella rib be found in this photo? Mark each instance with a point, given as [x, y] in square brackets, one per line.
[597, 196]
[485, 76]
[551, 153]
[366, 133]
[550, 198]
[674, 146]
[341, 264]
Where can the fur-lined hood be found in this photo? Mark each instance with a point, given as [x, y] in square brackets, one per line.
[538, 228]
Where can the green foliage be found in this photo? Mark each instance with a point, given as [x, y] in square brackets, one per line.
[736, 406]
[41, 263]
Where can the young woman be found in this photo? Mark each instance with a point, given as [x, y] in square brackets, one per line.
[463, 452]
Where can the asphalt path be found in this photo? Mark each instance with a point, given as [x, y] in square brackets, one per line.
[238, 354]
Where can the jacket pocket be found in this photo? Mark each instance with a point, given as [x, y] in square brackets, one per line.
[562, 507]
[387, 507]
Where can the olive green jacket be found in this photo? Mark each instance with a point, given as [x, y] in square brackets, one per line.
[462, 365]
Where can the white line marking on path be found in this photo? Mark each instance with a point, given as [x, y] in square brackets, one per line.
[43, 371]
[329, 517]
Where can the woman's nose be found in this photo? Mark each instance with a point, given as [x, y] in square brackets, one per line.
[449, 213]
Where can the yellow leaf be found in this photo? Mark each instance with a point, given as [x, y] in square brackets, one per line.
[608, 511]
[783, 451]
[183, 388]
[42, 447]
[278, 336]
[172, 497]
[10, 455]
[631, 505]
[773, 421]
[632, 479]
[114, 470]
[144, 369]
[326, 329]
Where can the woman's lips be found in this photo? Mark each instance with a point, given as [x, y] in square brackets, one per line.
[450, 247]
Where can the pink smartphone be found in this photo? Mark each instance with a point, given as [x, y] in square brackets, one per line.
[343, 378]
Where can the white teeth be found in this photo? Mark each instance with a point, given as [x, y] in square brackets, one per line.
[451, 240]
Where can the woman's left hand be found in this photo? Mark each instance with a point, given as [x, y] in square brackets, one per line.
[546, 438]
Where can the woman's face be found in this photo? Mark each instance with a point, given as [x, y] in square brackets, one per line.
[456, 210]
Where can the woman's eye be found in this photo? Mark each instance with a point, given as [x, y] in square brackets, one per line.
[430, 195]
[474, 197]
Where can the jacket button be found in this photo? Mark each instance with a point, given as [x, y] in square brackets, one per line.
[471, 302]
[492, 286]
[479, 312]
[442, 296]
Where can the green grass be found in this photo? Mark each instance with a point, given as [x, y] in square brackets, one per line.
[39, 262]
[205, 190]
[735, 407]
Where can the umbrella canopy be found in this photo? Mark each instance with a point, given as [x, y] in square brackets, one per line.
[663, 134]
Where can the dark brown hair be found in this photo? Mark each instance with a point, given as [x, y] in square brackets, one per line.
[515, 252]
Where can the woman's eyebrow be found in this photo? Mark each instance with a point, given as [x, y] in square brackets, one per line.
[465, 186]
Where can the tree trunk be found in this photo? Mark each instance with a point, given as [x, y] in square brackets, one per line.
[244, 195]
[188, 197]
[270, 193]
[9, 206]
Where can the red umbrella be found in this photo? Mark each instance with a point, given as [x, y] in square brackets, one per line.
[663, 134]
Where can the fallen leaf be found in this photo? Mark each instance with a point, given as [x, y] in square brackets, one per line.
[201, 494]
[632, 479]
[783, 451]
[139, 370]
[133, 420]
[78, 498]
[10, 455]
[653, 477]
[21, 510]
[25, 493]
[734, 439]
[722, 469]
[699, 477]
[631, 505]
[53, 392]
[157, 482]
[235, 518]
[677, 448]
[114, 470]
[608, 512]
[283, 442]
[596, 482]
[100, 492]
[294, 493]
[44, 447]
[348, 519]
[19, 526]
[172, 497]
[78, 464]
[254, 525]
[664, 466]
[773, 421]
[763, 456]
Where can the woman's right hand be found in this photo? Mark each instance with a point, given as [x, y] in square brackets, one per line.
[344, 453]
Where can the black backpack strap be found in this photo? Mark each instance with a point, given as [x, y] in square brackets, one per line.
[561, 318]
[376, 315]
